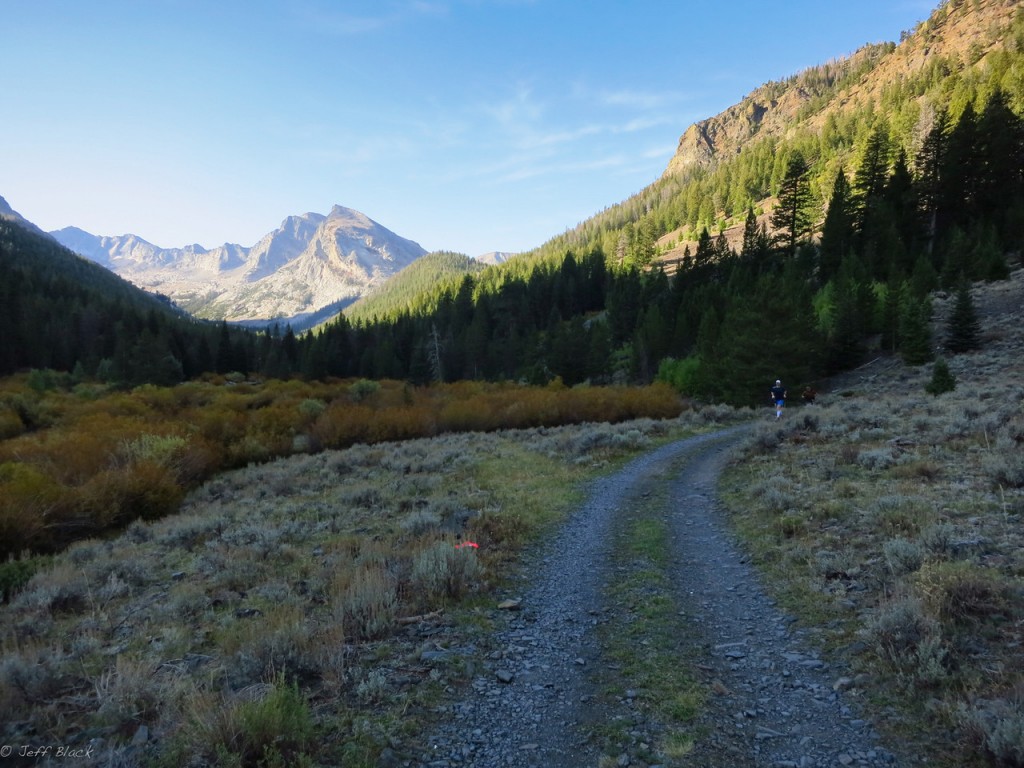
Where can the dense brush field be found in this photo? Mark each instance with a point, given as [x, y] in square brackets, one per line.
[80, 459]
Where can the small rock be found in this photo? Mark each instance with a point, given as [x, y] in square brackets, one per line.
[504, 676]
[842, 684]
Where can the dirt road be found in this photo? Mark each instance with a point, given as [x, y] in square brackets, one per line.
[542, 696]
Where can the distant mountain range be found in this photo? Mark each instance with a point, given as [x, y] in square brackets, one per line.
[308, 268]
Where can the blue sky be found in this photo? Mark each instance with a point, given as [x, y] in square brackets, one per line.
[465, 125]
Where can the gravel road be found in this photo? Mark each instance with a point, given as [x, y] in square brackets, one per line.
[537, 702]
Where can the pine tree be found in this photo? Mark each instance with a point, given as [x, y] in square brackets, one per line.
[915, 336]
[837, 231]
[962, 328]
[942, 379]
[792, 216]
[869, 185]
[929, 163]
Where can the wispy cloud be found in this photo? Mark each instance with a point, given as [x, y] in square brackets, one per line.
[346, 22]
[639, 99]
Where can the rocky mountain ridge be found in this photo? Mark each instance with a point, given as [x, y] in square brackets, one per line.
[966, 29]
[309, 265]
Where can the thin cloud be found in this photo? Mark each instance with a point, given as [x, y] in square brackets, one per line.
[639, 99]
[342, 23]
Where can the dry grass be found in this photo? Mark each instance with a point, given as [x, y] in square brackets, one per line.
[266, 620]
[890, 520]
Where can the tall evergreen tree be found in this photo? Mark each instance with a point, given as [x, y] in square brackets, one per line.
[930, 162]
[1001, 175]
[915, 335]
[756, 245]
[960, 175]
[838, 230]
[869, 184]
[962, 328]
[792, 216]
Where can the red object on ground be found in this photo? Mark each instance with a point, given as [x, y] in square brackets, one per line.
[472, 544]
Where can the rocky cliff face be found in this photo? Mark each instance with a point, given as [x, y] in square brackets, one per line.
[959, 28]
[308, 263]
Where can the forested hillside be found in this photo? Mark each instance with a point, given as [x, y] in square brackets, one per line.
[64, 313]
[895, 172]
[405, 288]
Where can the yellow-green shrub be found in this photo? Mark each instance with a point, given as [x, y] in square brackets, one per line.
[118, 496]
[401, 423]
[10, 423]
[29, 502]
[343, 424]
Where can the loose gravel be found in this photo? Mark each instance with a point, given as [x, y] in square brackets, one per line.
[537, 701]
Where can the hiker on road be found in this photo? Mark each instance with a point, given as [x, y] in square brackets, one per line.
[778, 393]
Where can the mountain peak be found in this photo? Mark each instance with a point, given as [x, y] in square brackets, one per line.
[309, 263]
[341, 213]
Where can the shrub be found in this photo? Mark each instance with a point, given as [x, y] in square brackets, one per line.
[367, 601]
[876, 459]
[120, 496]
[962, 592]
[777, 499]
[999, 727]
[310, 408]
[443, 571]
[1006, 467]
[683, 374]
[903, 556]
[363, 390]
[342, 425]
[63, 588]
[10, 422]
[942, 380]
[906, 638]
[128, 693]
[791, 526]
[938, 538]
[29, 678]
[14, 574]
[896, 514]
[158, 449]
[280, 641]
[273, 729]
[421, 521]
[29, 503]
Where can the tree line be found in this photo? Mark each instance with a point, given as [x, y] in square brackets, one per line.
[798, 299]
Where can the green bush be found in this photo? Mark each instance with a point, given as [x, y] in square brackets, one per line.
[14, 574]
[942, 379]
